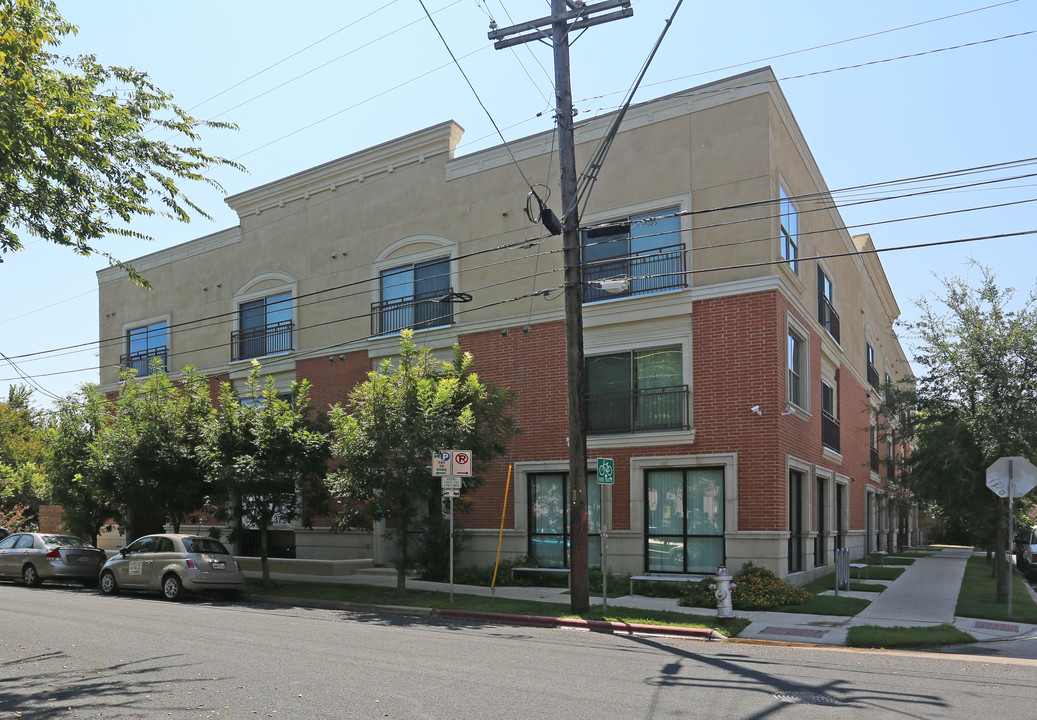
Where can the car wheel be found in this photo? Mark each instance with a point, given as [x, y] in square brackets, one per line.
[30, 576]
[172, 588]
[108, 584]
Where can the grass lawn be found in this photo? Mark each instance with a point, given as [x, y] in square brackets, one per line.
[873, 636]
[379, 595]
[978, 598]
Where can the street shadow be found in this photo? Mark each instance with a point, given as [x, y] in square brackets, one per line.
[752, 675]
[42, 685]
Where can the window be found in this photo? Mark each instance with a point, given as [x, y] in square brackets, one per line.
[826, 314]
[873, 373]
[636, 391]
[789, 232]
[410, 297]
[829, 416]
[146, 348]
[874, 433]
[549, 520]
[821, 500]
[264, 327]
[795, 368]
[797, 531]
[645, 248]
[684, 520]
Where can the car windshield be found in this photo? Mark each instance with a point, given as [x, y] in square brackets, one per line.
[64, 541]
[205, 545]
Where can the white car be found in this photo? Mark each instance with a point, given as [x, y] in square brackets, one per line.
[1026, 552]
[171, 564]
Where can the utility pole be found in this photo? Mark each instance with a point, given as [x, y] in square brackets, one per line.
[561, 23]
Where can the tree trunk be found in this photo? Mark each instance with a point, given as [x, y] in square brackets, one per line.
[264, 555]
[1000, 543]
[401, 558]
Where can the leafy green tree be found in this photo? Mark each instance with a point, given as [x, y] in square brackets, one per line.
[976, 402]
[396, 420]
[23, 452]
[267, 457]
[78, 480]
[153, 455]
[76, 159]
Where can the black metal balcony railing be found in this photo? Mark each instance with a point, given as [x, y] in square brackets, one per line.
[873, 376]
[650, 271]
[874, 460]
[415, 312]
[263, 340]
[634, 411]
[828, 317]
[829, 431]
[142, 360]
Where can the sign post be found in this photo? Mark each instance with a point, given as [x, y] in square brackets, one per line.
[606, 476]
[451, 466]
[1011, 477]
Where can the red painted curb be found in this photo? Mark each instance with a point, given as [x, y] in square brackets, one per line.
[592, 625]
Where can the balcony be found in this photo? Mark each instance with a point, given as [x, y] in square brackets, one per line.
[873, 376]
[634, 411]
[828, 317]
[262, 340]
[650, 271]
[416, 312]
[142, 360]
[829, 431]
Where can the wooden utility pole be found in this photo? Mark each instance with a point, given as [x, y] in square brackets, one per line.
[561, 23]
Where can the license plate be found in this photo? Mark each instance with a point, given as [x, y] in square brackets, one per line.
[219, 565]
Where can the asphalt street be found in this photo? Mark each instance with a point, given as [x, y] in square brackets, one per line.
[72, 653]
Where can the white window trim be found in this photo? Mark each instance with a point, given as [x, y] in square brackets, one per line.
[639, 465]
[795, 327]
[286, 283]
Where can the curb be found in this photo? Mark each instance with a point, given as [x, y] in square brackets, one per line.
[602, 626]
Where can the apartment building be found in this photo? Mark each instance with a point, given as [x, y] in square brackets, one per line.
[735, 333]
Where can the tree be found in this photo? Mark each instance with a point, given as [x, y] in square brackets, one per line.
[77, 468]
[976, 402]
[153, 451]
[267, 457]
[397, 419]
[76, 159]
[23, 452]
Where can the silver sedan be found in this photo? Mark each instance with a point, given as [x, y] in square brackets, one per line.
[171, 564]
[35, 557]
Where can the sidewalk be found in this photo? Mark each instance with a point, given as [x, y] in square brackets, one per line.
[926, 593]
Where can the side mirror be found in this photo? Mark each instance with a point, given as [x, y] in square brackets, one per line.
[122, 551]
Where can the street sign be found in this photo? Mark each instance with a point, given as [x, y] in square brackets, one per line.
[1023, 476]
[451, 493]
[606, 471]
[441, 464]
[456, 463]
[451, 483]
[462, 463]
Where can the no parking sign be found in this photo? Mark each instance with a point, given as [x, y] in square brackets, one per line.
[452, 463]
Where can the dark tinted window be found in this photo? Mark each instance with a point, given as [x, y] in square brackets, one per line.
[205, 545]
[163, 544]
[141, 545]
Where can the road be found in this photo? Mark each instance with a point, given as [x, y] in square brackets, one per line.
[72, 653]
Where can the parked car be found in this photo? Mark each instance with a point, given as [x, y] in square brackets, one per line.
[1026, 552]
[171, 564]
[35, 557]
[4, 532]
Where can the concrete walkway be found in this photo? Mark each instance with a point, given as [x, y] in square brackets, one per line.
[926, 593]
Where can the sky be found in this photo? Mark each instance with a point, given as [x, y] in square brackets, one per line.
[882, 91]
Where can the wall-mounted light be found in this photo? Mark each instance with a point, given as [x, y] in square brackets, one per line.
[504, 332]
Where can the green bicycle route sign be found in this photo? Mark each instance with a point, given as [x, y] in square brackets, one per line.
[606, 471]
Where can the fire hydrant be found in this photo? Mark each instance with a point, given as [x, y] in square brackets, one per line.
[722, 587]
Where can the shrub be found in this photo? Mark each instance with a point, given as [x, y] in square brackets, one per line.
[756, 589]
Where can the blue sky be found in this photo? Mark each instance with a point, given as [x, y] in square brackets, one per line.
[333, 78]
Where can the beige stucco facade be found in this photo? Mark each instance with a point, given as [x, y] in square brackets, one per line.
[719, 155]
